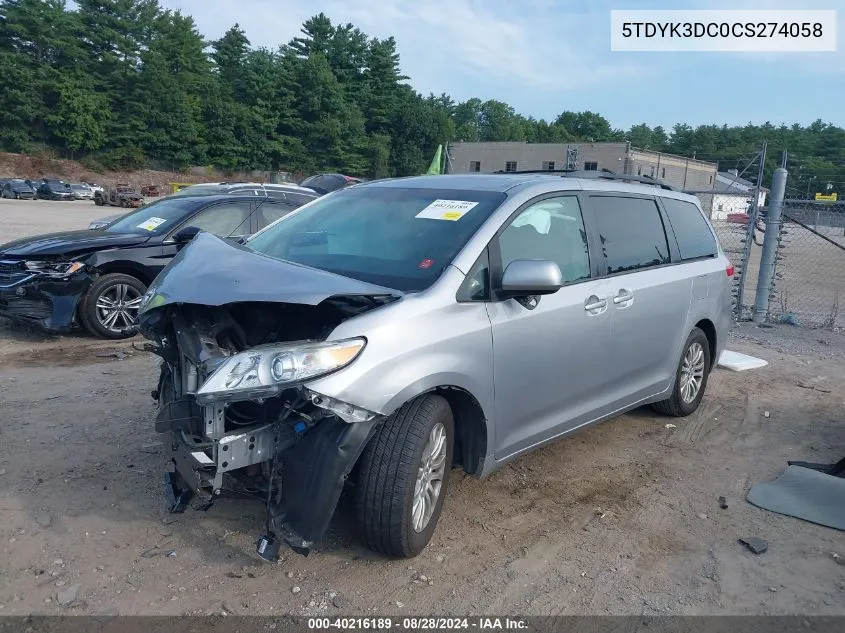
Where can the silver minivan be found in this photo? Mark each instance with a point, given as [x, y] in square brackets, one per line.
[382, 335]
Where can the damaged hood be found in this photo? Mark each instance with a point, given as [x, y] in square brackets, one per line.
[69, 243]
[213, 272]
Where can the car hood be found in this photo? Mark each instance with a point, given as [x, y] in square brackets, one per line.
[213, 272]
[69, 243]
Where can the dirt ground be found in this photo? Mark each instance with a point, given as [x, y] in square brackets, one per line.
[622, 518]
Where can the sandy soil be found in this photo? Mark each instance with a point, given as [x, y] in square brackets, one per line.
[622, 518]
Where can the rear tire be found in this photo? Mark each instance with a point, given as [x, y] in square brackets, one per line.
[403, 477]
[109, 289]
[690, 377]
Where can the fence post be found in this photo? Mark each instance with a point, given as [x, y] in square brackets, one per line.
[770, 244]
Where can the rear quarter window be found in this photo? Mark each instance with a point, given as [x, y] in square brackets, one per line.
[695, 239]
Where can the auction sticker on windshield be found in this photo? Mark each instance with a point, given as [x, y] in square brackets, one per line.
[446, 210]
[151, 224]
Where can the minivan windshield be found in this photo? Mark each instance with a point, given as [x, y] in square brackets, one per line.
[153, 219]
[400, 238]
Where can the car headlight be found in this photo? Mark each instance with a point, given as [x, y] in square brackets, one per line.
[54, 269]
[267, 370]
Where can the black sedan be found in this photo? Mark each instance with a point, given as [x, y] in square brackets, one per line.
[18, 189]
[97, 278]
[54, 190]
[326, 183]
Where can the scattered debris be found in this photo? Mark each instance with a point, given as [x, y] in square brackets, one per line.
[839, 560]
[295, 590]
[671, 426]
[773, 589]
[400, 604]
[68, 596]
[766, 414]
[2, 471]
[117, 355]
[756, 545]
[337, 601]
[723, 503]
[233, 574]
[171, 554]
[290, 574]
[702, 516]
[43, 519]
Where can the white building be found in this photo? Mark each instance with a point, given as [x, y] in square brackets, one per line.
[733, 194]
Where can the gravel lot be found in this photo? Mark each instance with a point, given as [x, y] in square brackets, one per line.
[622, 518]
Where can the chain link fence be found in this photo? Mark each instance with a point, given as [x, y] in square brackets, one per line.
[808, 287]
[809, 282]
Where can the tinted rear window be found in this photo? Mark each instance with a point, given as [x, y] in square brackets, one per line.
[631, 232]
[691, 229]
[398, 238]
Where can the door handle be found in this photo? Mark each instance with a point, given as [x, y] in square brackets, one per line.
[624, 296]
[594, 303]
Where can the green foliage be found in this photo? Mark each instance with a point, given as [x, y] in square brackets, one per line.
[127, 82]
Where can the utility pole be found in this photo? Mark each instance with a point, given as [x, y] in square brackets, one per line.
[770, 244]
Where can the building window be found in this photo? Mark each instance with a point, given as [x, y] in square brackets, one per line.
[652, 171]
[475, 165]
[548, 165]
[510, 165]
[711, 180]
[663, 173]
[591, 166]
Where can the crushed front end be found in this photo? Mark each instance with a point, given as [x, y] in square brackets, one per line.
[42, 293]
[240, 420]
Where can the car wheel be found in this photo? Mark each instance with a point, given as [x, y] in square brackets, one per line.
[110, 307]
[403, 476]
[690, 377]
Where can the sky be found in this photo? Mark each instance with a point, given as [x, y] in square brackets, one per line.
[546, 56]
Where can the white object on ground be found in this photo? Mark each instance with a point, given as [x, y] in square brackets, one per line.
[735, 361]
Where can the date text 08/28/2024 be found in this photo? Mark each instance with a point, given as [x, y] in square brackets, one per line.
[417, 623]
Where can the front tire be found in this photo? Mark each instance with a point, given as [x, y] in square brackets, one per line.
[690, 377]
[403, 477]
[110, 307]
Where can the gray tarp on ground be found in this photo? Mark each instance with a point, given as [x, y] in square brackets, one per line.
[805, 494]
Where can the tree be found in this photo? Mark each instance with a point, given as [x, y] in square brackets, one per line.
[81, 116]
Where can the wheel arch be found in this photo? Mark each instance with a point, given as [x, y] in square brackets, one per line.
[709, 329]
[471, 424]
[125, 268]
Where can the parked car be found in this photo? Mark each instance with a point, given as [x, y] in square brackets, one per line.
[54, 190]
[283, 191]
[293, 193]
[18, 189]
[326, 183]
[81, 191]
[96, 278]
[390, 331]
[121, 195]
[94, 187]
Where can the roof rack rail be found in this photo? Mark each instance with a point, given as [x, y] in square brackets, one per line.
[605, 174]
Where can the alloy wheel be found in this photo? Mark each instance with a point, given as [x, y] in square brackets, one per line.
[117, 307]
[692, 372]
[429, 477]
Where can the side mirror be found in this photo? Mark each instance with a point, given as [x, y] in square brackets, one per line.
[185, 235]
[528, 277]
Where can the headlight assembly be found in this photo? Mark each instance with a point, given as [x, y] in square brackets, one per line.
[267, 370]
[54, 269]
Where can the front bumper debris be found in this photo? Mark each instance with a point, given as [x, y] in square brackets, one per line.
[48, 303]
[296, 464]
